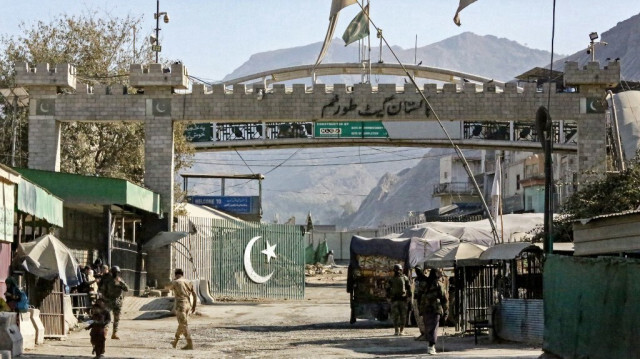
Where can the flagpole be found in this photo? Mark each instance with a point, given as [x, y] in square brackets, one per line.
[459, 153]
[369, 41]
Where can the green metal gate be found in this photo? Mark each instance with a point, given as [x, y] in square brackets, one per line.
[257, 260]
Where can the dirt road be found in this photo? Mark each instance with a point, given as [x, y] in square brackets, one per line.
[317, 327]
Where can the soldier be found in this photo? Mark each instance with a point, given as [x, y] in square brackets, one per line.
[398, 290]
[182, 291]
[433, 304]
[420, 287]
[113, 288]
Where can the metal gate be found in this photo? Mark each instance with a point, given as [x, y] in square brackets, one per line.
[257, 260]
[474, 294]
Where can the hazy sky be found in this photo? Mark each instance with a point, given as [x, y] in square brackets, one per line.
[213, 37]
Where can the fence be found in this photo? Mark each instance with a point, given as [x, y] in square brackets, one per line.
[340, 242]
[194, 253]
[243, 259]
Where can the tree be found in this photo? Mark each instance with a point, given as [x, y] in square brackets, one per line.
[101, 48]
[615, 192]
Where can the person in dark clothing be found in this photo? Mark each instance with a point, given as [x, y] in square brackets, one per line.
[12, 294]
[113, 288]
[101, 318]
[433, 305]
[420, 287]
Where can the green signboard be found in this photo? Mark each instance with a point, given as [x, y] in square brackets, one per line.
[199, 132]
[352, 129]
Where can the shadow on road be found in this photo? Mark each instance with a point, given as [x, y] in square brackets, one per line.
[368, 324]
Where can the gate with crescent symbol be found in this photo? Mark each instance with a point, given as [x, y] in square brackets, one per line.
[257, 260]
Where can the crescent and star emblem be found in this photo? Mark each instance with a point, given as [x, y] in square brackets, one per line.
[248, 267]
[43, 108]
[159, 108]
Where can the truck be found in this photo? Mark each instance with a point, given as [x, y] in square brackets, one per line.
[371, 262]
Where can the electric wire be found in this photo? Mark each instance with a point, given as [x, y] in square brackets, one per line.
[245, 162]
[435, 115]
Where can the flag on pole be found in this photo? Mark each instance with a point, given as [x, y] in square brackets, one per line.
[358, 28]
[496, 192]
[463, 4]
[336, 6]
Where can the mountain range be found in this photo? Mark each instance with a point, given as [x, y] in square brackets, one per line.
[385, 188]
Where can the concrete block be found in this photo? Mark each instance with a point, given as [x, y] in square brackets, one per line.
[205, 294]
[27, 331]
[10, 337]
[70, 320]
[37, 324]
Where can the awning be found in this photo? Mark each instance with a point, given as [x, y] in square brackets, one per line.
[163, 239]
[8, 179]
[82, 190]
[40, 203]
[507, 251]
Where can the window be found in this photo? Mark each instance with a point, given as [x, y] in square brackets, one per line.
[517, 182]
[446, 174]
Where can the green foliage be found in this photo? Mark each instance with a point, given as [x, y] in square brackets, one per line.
[101, 47]
[615, 192]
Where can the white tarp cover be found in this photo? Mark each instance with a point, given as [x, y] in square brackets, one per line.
[507, 251]
[448, 255]
[47, 257]
[480, 231]
[429, 237]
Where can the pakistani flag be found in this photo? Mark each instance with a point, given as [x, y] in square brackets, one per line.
[358, 28]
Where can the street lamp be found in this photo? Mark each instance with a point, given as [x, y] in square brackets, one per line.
[591, 49]
[155, 41]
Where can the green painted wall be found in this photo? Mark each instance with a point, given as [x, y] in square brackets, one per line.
[591, 307]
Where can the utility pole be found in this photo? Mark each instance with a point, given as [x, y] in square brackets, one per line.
[544, 127]
[155, 41]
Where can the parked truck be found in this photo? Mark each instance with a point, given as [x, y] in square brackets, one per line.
[370, 267]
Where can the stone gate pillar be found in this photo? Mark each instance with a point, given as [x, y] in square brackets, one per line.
[159, 85]
[592, 82]
[44, 84]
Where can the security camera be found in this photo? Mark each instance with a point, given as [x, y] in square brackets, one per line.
[166, 18]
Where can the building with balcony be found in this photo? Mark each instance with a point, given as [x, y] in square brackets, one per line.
[455, 185]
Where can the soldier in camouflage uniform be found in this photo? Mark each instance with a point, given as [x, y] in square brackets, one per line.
[420, 287]
[398, 290]
[433, 305]
[113, 288]
[183, 291]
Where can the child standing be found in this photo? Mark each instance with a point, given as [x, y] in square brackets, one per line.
[99, 327]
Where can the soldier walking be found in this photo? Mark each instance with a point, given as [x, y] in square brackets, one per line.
[420, 288]
[433, 305]
[113, 288]
[398, 290]
[183, 292]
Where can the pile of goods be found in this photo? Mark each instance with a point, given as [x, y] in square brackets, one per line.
[372, 276]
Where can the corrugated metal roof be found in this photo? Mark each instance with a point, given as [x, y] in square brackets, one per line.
[608, 215]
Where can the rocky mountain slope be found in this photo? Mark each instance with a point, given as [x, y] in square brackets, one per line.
[488, 56]
[396, 187]
[623, 42]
